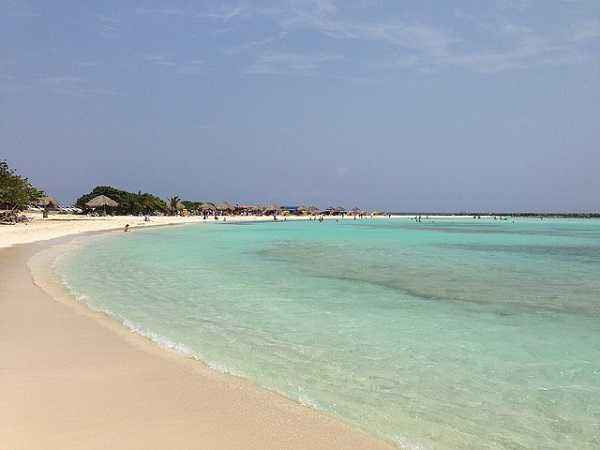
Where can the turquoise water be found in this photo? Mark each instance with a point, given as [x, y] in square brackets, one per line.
[474, 334]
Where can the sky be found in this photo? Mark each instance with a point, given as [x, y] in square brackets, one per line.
[489, 105]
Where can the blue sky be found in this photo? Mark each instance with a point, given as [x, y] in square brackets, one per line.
[402, 105]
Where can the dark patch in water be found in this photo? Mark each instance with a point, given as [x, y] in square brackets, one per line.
[321, 260]
[419, 294]
[587, 253]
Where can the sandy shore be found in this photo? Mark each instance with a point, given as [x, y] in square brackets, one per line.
[64, 225]
[74, 379]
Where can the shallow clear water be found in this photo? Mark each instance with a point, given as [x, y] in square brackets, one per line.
[451, 334]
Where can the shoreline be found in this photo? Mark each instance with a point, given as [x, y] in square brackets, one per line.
[242, 415]
[60, 226]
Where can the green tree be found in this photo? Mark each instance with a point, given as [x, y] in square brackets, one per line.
[129, 203]
[16, 192]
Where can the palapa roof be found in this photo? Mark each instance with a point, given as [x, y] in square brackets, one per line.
[224, 206]
[47, 201]
[207, 206]
[101, 200]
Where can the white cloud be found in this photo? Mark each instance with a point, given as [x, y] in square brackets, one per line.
[246, 46]
[159, 60]
[61, 80]
[223, 14]
[587, 30]
[290, 64]
[505, 35]
[194, 67]
[160, 11]
[86, 64]
[74, 86]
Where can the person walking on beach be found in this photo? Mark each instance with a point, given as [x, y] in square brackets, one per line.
[126, 228]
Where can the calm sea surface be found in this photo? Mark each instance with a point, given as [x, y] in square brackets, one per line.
[473, 334]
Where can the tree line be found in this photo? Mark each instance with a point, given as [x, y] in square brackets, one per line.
[16, 191]
[129, 203]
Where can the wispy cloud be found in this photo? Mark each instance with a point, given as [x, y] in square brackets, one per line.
[224, 13]
[82, 92]
[16, 9]
[194, 67]
[425, 46]
[161, 11]
[108, 26]
[87, 64]
[61, 80]
[382, 37]
[189, 67]
[10, 84]
[587, 30]
[74, 86]
[290, 64]
[159, 60]
[252, 45]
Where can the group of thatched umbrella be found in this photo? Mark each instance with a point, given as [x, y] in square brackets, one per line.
[48, 202]
[102, 201]
[225, 207]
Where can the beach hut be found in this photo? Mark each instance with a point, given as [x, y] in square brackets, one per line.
[255, 210]
[207, 207]
[47, 202]
[272, 209]
[224, 207]
[293, 210]
[304, 210]
[101, 201]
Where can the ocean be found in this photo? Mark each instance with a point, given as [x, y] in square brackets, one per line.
[445, 334]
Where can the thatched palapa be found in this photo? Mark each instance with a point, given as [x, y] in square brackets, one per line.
[47, 202]
[101, 201]
[225, 206]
